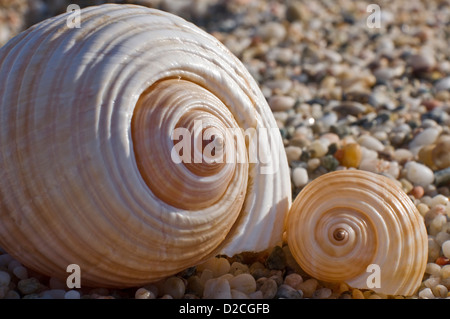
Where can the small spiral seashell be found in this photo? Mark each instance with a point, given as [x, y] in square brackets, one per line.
[90, 169]
[345, 221]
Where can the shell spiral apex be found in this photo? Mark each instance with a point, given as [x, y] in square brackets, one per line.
[89, 120]
[346, 225]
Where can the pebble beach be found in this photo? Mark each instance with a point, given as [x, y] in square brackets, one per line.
[348, 90]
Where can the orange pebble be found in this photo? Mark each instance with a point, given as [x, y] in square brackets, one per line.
[349, 155]
[417, 192]
[442, 261]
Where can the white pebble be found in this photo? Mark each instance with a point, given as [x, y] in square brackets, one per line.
[371, 143]
[426, 137]
[433, 269]
[426, 294]
[318, 148]
[20, 272]
[236, 294]
[218, 266]
[402, 155]
[300, 176]
[443, 84]
[313, 163]
[441, 237]
[243, 282]
[440, 291]
[280, 103]
[439, 200]
[175, 287]
[238, 268]
[419, 174]
[446, 248]
[432, 281]
[293, 153]
[445, 272]
[5, 278]
[368, 154]
[72, 294]
[143, 293]
[217, 289]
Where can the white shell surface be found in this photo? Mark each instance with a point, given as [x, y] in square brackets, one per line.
[72, 191]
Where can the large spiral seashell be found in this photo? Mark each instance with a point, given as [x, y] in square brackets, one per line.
[361, 228]
[89, 175]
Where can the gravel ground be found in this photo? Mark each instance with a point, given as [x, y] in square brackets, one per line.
[344, 94]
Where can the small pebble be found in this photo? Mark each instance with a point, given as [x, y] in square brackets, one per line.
[419, 174]
[175, 287]
[402, 155]
[237, 268]
[28, 286]
[357, 294]
[244, 282]
[442, 176]
[371, 143]
[318, 148]
[433, 250]
[442, 237]
[426, 294]
[287, 292]
[5, 278]
[236, 294]
[276, 259]
[443, 84]
[195, 285]
[20, 272]
[446, 248]
[280, 103]
[322, 293]
[269, 289]
[73, 294]
[308, 287]
[426, 137]
[217, 289]
[445, 272]
[349, 155]
[300, 176]
[141, 293]
[422, 62]
[440, 291]
[293, 153]
[218, 266]
[293, 280]
[441, 154]
[417, 191]
[433, 269]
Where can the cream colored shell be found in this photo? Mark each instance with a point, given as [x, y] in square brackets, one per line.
[86, 122]
[360, 228]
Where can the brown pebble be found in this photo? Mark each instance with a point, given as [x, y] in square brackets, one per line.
[426, 156]
[417, 191]
[357, 294]
[349, 155]
[293, 280]
[441, 154]
[442, 261]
